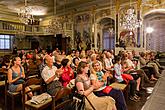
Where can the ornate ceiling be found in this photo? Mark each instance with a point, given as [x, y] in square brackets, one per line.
[46, 7]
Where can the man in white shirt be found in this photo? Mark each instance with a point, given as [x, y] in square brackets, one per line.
[51, 75]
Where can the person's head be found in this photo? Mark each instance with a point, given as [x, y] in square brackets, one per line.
[64, 62]
[16, 61]
[58, 58]
[133, 52]
[108, 55]
[142, 54]
[49, 60]
[130, 56]
[96, 66]
[118, 59]
[93, 57]
[77, 53]
[62, 52]
[76, 61]
[82, 68]
[152, 55]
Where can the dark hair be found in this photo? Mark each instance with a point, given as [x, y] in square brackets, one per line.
[74, 59]
[64, 62]
[142, 54]
[117, 58]
[14, 59]
[81, 65]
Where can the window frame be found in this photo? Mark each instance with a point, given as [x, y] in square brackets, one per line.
[10, 41]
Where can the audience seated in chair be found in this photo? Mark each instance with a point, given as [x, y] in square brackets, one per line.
[84, 87]
[100, 78]
[51, 75]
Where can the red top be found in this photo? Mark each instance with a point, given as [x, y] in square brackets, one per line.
[67, 75]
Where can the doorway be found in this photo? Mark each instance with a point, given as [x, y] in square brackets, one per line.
[106, 32]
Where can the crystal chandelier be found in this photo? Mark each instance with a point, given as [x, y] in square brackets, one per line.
[25, 15]
[130, 21]
[55, 24]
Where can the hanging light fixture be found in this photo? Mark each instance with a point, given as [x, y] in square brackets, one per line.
[55, 25]
[129, 20]
[25, 15]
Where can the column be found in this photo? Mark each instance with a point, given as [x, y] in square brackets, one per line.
[117, 21]
[138, 18]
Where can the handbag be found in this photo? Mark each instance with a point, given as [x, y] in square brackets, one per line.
[78, 102]
[127, 77]
[107, 89]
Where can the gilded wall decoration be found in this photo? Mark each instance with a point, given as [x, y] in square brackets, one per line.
[83, 27]
[127, 39]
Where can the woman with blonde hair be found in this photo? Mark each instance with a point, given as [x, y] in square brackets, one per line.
[84, 87]
[98, 77]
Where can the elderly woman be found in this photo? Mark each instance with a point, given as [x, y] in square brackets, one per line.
[84, 87]
[16, 76]
[98, 77]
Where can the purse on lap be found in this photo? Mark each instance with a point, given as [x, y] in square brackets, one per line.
[107, 89]
[127, 77]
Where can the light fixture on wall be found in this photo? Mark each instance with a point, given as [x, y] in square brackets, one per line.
[129, 19]
[55, 25]
[25, 15]
[149, 29]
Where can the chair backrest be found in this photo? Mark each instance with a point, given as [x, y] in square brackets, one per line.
[30, 81]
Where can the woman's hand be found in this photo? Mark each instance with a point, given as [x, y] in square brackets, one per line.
[97, 85]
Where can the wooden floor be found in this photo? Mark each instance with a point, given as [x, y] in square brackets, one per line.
[155, 102]
[157, 99]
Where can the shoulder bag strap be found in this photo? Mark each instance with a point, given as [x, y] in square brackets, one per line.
[90, 103]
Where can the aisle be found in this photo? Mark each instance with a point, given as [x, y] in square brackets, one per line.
[157, 98]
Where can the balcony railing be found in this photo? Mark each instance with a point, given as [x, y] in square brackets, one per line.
[14, 28]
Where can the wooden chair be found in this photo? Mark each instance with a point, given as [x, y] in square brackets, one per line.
[28, 104]
[49, 102]
[123, 87]
[12, 95]
[2, 76]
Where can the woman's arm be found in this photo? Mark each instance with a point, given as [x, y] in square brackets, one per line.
[9, 75]
[23, 72]
[97, 84]
[81, 90]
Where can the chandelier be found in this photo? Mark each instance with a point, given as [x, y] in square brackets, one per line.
[55, 24]
[25, 15]
[129, 20]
